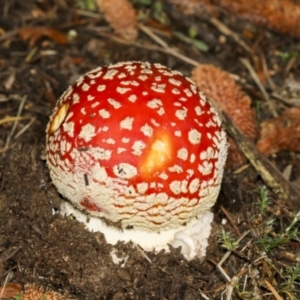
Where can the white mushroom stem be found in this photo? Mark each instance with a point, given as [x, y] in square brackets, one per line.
[192, 238]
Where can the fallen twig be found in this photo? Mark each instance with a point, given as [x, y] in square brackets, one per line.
[228, 32]
[231, 220]
[226, 255]
[272, 289]
[253, 74]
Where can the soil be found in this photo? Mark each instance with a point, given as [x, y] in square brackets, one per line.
[39, 245]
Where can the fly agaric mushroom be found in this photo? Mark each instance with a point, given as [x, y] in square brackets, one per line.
[139, 153]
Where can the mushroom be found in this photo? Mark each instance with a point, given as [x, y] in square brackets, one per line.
[139, 153]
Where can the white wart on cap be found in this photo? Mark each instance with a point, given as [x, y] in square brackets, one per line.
[137, 145]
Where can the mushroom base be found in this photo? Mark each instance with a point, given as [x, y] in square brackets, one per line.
[193, 238]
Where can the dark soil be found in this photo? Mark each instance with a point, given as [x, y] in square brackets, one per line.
[38, 245]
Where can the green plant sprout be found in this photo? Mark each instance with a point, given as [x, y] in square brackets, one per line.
[295, 221]
[291, 275]
[200, 45]
[227, 241]
[89, 5]
[285, 56]
[265, 201]
[159, 14]
[269, 242]
[270, 239]
[239, 288]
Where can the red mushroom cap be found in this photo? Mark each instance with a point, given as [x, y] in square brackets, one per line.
[136, 144]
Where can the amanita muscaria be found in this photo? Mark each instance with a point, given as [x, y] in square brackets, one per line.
[140, 151]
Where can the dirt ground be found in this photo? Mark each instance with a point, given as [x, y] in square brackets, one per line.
[38, 245]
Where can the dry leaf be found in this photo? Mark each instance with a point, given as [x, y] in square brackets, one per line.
[281, 133]
[32, 34]
[10, 290]
[121, 16]
[280, 15]
[222, 89]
